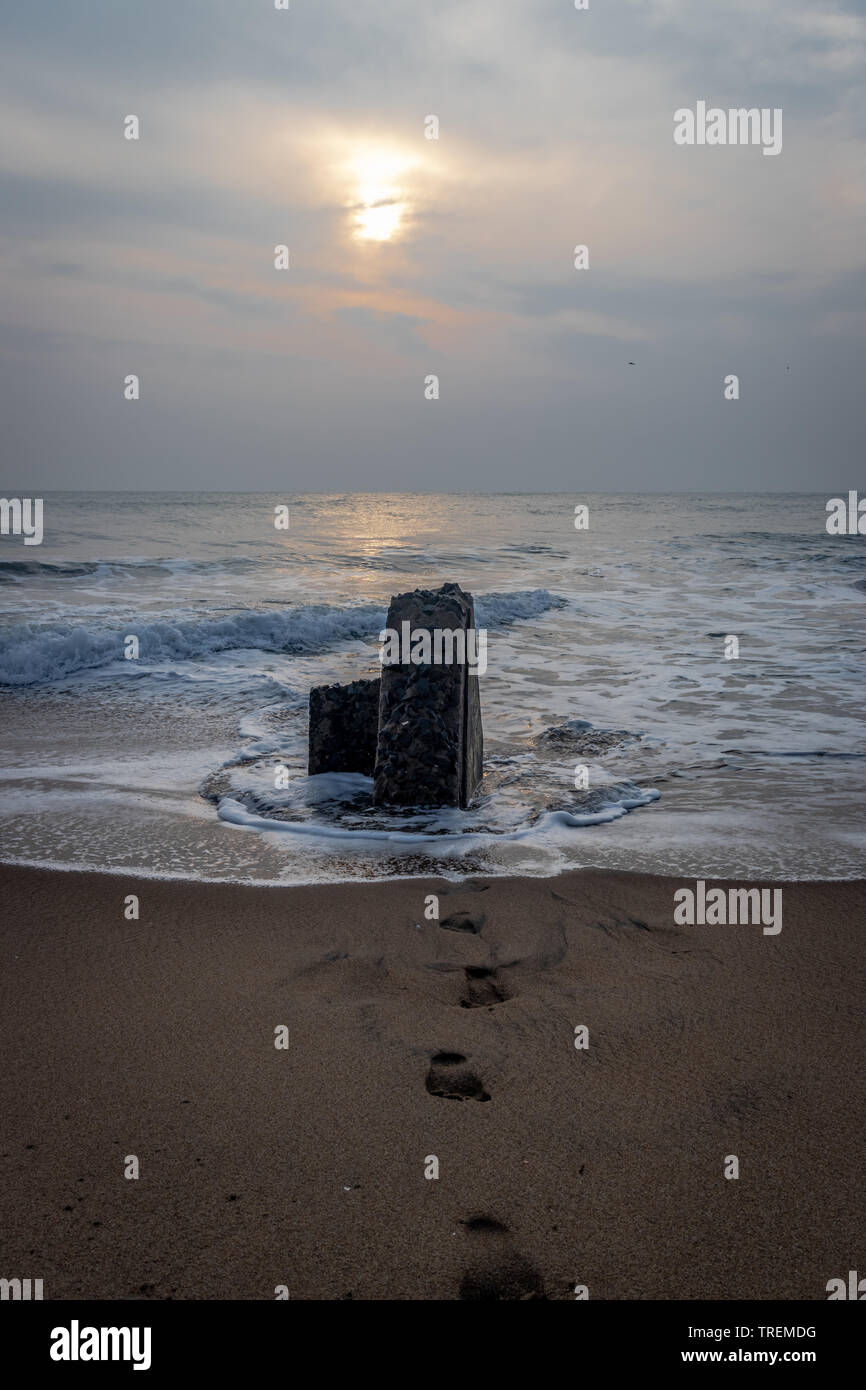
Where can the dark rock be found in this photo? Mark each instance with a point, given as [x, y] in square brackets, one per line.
[430, 747]
[344, 720]
[578, 736]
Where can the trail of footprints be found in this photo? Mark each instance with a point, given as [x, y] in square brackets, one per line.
[495, 1270]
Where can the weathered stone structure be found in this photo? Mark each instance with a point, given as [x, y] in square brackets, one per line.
[430, 747]
[417, 731]
[344, 726]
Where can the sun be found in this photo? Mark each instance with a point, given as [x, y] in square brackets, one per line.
[379, 194]
[379, 220]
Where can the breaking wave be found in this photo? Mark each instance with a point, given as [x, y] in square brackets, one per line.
[35, 653]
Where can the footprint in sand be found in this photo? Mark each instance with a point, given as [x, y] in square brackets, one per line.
[484, 988]
[464, 921]
[496, 1272]
[450, 1078]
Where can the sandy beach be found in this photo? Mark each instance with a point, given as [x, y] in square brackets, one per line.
[412, 1038]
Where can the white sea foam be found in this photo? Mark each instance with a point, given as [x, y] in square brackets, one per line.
[232, 811]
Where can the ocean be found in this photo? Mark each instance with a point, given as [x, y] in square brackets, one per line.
[623, 727]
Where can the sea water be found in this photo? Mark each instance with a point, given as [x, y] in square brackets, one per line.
[623, 728]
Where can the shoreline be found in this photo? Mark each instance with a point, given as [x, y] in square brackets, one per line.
[157, 876]
[305, 1166]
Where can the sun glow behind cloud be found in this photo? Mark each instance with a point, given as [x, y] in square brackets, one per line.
[380, 197]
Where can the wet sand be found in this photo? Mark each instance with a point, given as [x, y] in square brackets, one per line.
[412, 1039]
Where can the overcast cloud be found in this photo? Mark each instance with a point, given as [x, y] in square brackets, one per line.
[156, 256]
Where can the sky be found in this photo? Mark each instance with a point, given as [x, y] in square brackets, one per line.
[412, 257]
